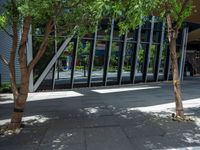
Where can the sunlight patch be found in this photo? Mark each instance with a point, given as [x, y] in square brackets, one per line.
[91, 110]
[30, 120]
[185, 148]
[115, 90]
[167, 108]
[39, 96]
[191, 138]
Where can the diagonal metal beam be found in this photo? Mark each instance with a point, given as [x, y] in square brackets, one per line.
[108, 54]
[56, 63]
[122, 58]
[135, 56]
[92, 56]
[51, 63]
[74, 57]
[159, 54]
[183, 52]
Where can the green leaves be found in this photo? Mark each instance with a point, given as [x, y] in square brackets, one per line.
[130, 13]
[2, 20]
[179, 10]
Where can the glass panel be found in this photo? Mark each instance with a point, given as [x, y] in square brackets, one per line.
[63, 68]
[156, 37]
[82, 62]
[140, 61]
[178, 52]
[43, 62]
[127, 62]
[151, 67]
[97, 71]
[162, 63]
[144, 35]
[100, 52]
[114, 60]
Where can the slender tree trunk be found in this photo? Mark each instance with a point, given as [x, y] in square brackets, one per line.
[19, 106]
[172, 36]
[176, 81]
[20, 100]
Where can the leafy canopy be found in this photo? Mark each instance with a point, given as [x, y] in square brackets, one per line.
[179, 10]
[67, 14]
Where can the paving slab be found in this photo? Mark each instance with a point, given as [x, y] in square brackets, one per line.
[107, 138]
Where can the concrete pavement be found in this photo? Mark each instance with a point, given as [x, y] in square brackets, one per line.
[93, 120]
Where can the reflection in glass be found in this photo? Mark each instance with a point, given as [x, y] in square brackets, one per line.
[81, 64]
[63, 68]
[139, 67]
[97, 71]
[114, 58]
[127, 62]
[151, 67]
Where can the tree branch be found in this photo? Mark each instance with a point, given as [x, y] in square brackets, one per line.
[43, 45]
[3, 59]
[48, 30]
[22, 46]
[184, 5]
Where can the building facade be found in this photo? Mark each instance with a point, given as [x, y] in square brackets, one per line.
[108, 58]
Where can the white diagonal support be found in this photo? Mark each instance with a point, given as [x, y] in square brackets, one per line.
[51, 63]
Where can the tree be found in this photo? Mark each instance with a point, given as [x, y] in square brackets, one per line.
[133, 13]
[70, 16]
[174, 12]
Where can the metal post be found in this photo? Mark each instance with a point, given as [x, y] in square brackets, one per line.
[91, 58]
[108, 54]
[147, 52]
[184, 58]
[159, 54]
[122, 57]
[29, 53]
[183, 53]
[135, 56]
[55, 51]
[74, 61]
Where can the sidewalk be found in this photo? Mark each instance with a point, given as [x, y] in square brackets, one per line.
[131, 117]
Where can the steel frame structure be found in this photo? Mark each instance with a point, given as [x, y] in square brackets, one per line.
[123, 40]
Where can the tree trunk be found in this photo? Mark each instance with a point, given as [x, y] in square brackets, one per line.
[18, 111]
[172, 36]
[25, 69]
[176, 81]
[20, 100]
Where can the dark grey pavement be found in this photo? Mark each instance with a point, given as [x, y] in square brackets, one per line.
[101, 121]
